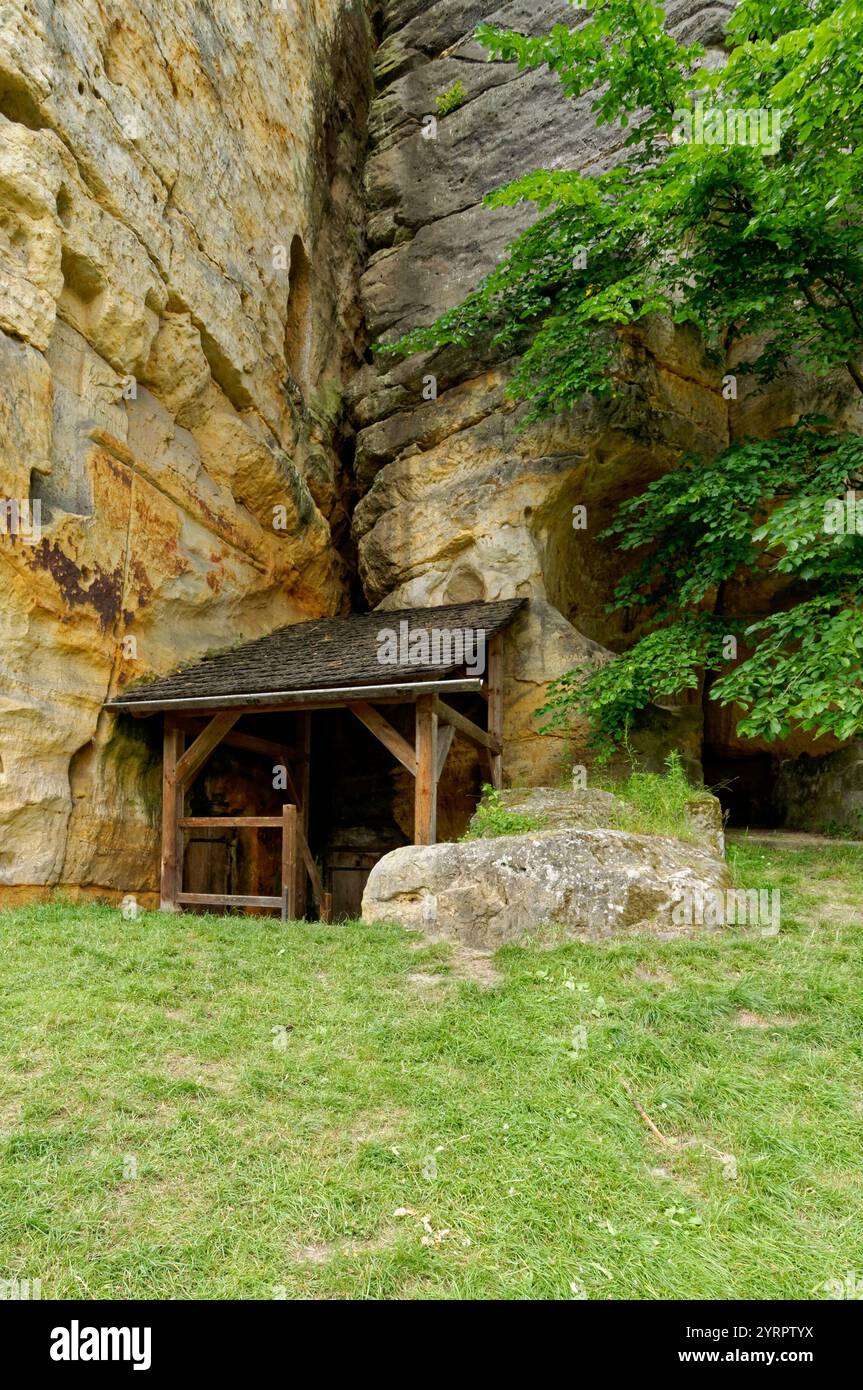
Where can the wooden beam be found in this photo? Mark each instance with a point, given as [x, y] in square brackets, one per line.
[179, 838]
[447, 715]
[495, 708]
[445, 737]
[229, 822]
[194, 757]
[384, 731]
[289, 862]
[305, 856]
[425, 790]
[311, 866]
[336, 698]
[305, 853]
[250, 743]
[227, 900]
[173, 749]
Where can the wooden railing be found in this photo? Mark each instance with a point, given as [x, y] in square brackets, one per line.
[293, 838]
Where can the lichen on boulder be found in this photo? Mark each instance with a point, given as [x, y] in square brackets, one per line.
[579, 870]
[569, 884]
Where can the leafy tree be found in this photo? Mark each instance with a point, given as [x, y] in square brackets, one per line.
[737, 209]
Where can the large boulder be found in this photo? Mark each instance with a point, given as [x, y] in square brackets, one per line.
[577, 885]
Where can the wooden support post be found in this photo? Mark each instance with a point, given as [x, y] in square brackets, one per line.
[425, 790]
[303, 783]
[289, 862]
[173, 751]
[181, 811]
[304, 854]
[445, 737]
[495, 707]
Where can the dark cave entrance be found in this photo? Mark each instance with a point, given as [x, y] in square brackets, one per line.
[745, 784]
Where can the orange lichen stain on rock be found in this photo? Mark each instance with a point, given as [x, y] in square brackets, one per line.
[140, 580]
[214, 581]
[156, 537]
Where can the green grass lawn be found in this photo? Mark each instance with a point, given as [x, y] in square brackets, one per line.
[203, 1107]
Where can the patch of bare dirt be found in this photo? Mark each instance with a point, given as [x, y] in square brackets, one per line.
[10, 1114]
[182, 1068]
[829, 904]
[422, 981]
[315, 1254]
[374, 1127]
[321, 1252]
[476, 966]
[744, 1018]
[461, 963]
[653, 977]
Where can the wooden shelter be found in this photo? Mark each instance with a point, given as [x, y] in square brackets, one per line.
[324, 664]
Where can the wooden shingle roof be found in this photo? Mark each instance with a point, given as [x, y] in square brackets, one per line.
[325, 654]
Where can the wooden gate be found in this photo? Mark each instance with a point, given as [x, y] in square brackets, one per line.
[287, 822]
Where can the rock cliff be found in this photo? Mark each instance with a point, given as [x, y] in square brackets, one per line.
[180, 233]
[459, 500]
[207, 212]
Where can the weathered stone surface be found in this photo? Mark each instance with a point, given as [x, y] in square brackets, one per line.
[579, 885]
[543, 647]
[800, 781]
[181, 241]
[165, 378]
[822, 793]
[706, 818]
[521, 124]
[559, 808]
[408, 285]
[461, 500]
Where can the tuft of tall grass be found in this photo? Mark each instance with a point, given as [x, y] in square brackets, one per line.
[657, 803]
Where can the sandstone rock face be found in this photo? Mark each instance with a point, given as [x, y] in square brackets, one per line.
[823, 793]
[182, 322]
[576, 885]
[180, 232]
[801, 781]
[461, 501]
